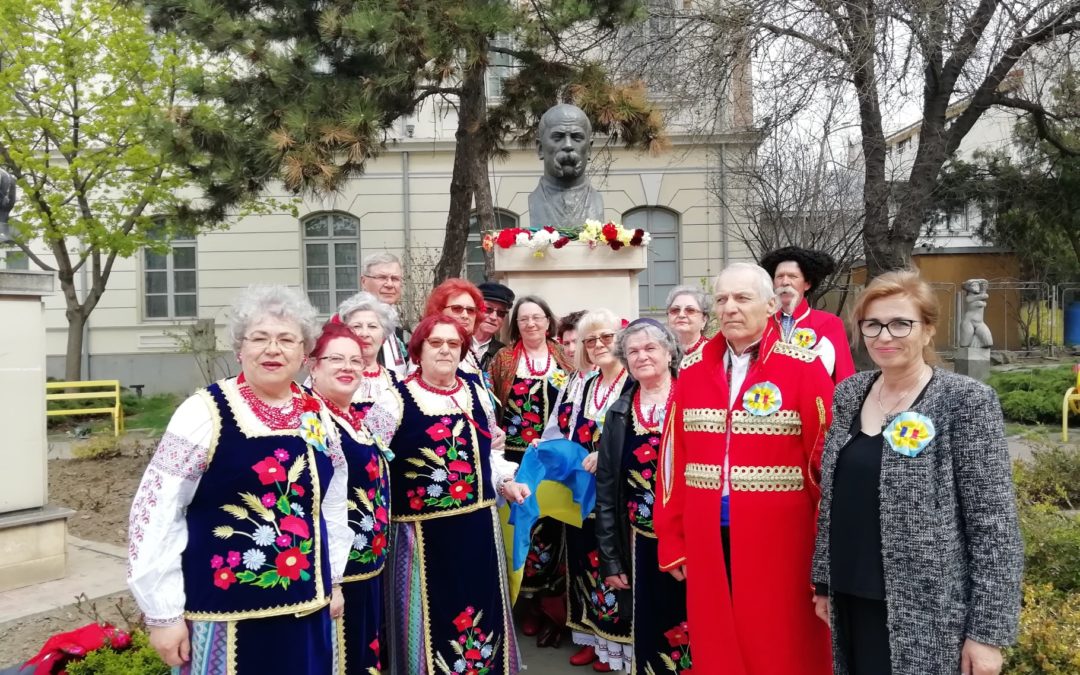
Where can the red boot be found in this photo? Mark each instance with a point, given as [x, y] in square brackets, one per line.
[583, 656]
[530, 624]
[601, 667]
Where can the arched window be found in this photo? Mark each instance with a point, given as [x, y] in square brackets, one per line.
[474, 251]
[662, 274]
[331, 258]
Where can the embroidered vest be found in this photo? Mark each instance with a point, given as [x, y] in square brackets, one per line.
[369, 503]
[639, 472]
[256, 546]
[441, 462]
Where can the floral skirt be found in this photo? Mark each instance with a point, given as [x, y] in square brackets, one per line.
[448, 597]
[358, 629]
[593, 606]
[661, 638]
[277, 644]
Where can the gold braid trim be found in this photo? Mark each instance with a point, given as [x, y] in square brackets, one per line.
[795, 352]
[766, 478]
[780, 423]
[704, 476]
[709, 420]
[690, 359]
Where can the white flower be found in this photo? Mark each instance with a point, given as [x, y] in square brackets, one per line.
[462, 454]
[438, 475]
[297, 509]
[367, 523]
[485, 651]
[648, 498]
[459, 666]
[264, 535]
[434, 490]
[609, 599]
[254, 559]
[644, 511]
[522, 239]
[645, 239]
[359, 541]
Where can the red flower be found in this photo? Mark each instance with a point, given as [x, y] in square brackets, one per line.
[645, 453]
[372, 469]
[416, 503]
[224, 577]
[290, 562]
[460, 491]
[438, 431]
[548, 228]
[378, 543]
[531, 417]
[380, 514]
[594, 559]
[677, 636]
[564, 418]
[615, 245]
[561, 241]
[528, 434]
[472, 654]
[639, 236]
[463, 621]
[488, 243]
[459, 466]
[62, 648]
[584, 434]
[311, 404]
[507, 237]
[521, 388]
[270, 471]
[298, 490]
[294, 525]
[610, 232]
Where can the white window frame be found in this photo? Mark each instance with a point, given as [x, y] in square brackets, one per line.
[676, 235]
[170, 294]
[331, 266]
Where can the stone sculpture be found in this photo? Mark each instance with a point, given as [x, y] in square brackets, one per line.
[564, 196]
[974, 339]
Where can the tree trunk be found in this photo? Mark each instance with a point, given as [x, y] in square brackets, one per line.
[472, 117]
[73, 356]
[485, 206]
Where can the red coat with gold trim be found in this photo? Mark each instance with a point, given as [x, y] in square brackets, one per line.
[822, 333]
[774, 436]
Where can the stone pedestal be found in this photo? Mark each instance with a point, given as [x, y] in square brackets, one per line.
[973, 362]
[575, 277]
[32, 536]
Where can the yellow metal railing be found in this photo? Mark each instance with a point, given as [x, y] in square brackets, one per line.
[107, 390]
[1070, 402]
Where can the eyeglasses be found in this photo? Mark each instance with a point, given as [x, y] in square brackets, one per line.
[339, 361]
[461, 309]
[605, 338]
[286, 343]
[898, 328]
[386, 279]
[437, 343]
[535, 318]
[501, 313]
[690, 312]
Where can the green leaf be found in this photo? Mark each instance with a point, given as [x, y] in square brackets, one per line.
[283, 505]
[246, 577]
[304, 576]
[305, 546]
[268, 579]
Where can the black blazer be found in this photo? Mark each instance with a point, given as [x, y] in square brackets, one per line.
[612, 518]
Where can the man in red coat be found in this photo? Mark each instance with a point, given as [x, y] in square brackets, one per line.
[795, 271]
[738, 490]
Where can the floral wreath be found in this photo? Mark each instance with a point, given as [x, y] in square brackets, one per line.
[593, 232]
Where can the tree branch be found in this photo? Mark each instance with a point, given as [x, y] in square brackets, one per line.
[1040, 116]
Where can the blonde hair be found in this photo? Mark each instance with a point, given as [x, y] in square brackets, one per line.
[909, 284]
[597, 318]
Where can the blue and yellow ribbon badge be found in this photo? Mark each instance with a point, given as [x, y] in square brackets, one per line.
[762, 399]
[558, 378]
[804, 338]
[909, 433]
[312, 431]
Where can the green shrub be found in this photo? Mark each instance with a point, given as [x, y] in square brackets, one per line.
[1049, 634]
[1033, 396]
[1051, 547]
[102, 446]
[139, 658]
[1051, 476]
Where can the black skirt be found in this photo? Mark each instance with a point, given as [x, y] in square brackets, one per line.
[862, 634]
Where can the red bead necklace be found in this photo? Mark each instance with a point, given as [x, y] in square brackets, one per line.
[529, 366]
[285, 416]
[651, 423]
[697, 345]
[458, 383]
[375, 373]
[599, 404]
[351, 416]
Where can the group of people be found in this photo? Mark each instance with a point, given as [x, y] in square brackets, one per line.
[760, 507]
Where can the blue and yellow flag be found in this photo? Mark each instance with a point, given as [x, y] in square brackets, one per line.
[561, 489]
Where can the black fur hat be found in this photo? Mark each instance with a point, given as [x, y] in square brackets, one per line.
[814, 265]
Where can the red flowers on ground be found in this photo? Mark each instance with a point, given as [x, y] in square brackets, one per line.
[224, 577]
[270, 471]
[438, 432]
[290, 563]
[460, 491]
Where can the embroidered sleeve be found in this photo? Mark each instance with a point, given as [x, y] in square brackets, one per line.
[501, 469]
[333, 442]
[384, 417]
[335, 512]
[157, 530]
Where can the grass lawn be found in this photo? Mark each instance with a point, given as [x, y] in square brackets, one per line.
[148, 412]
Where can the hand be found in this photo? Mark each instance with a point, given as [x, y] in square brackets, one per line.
[498, 439]
[980, 659]
[618, 581]
[678, 572]
[515, 492]
[821, 608]
[534, 442]
[171, 643]
[337, 603]
[590, 462]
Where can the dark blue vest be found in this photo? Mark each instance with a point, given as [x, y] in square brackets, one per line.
[256, 544]
[369, 504]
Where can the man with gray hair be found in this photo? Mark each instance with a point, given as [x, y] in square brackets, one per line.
[381, 275]
[564, 197]
[737, 492]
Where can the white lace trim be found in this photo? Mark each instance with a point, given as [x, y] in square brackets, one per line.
[180, 457]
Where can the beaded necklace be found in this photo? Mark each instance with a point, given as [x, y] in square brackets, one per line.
[697, 345]
[529, 366]
[285, 416]
[458, 383]
[351, 416]
[653, 421]
[599, 404]
[374, 373]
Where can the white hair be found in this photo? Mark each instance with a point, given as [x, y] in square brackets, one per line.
[695, 292]
[655, 330]
[764, 280]
[262, 300]
[366, 302]
[380, 258]
[590, 321]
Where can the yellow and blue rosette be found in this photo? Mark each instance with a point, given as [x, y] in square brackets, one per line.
[762, 399]
[312, 431]
[558, 378]
[804, 338]
[909, 433]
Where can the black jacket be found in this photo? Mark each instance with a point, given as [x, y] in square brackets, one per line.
[612, 518]
[489, 353]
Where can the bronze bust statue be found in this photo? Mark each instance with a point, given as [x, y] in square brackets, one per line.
[7, 203]
[564, 197]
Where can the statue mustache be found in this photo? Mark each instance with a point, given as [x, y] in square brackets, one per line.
[568, 158]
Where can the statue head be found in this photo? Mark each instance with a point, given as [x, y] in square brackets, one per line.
[564, 138]
[7, 203]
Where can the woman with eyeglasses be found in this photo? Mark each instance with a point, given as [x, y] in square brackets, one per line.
[597, 621]
[447, 587]
[526, 378]
[337, 367]
[463, 302]
[371, 321]
[918, 558]
[687, 314]
[239, 530]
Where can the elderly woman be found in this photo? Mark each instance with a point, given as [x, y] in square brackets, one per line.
[463, 302]
[447, 587]
[594, 614]
[918, 551]
[337, 366]
[526, 378]
[687, 314]
[625, 499]
[239, 527]
[372, 321]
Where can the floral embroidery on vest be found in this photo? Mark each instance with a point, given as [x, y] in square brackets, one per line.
[475, 651]
[452, 475]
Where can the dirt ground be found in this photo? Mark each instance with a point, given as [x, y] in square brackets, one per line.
[100, 491]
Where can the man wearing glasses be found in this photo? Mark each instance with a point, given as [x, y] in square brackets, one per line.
[381, 275]
[795, 271]
[498, 300]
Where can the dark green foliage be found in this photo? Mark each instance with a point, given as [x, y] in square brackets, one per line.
[139, 658]
[1033, 396]
[1051, 476]
[1051, 546]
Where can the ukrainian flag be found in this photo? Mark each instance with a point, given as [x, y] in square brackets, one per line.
[561, 489]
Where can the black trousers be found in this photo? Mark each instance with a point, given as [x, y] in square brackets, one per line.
[862, 634]
[725, 541]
